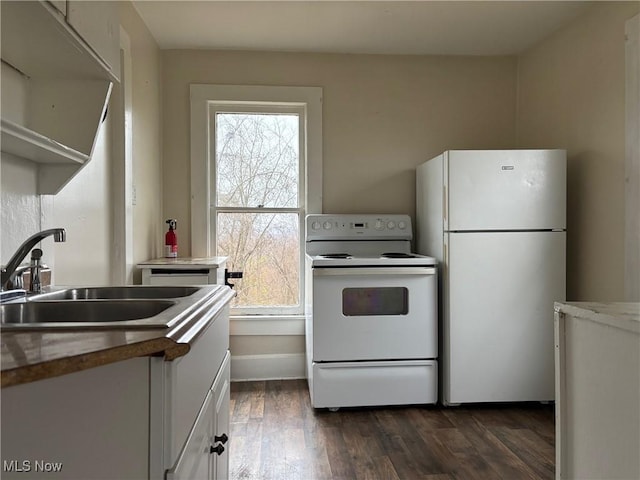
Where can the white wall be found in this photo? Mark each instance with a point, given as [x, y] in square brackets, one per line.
[83, 209]
[382, 116]
[632, 164]
[148, 223]
[20, 207]
[571, 94]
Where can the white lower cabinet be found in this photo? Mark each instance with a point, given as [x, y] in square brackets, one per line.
[92, 424]
[195, 460]
[205, 454]
[139, 418]
[597, 353]
[222, 395]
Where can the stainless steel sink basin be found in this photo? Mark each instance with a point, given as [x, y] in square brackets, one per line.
[137, 306]
[81, 312]
[117, 293]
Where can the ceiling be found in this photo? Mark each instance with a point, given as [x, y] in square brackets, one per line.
[372, 27]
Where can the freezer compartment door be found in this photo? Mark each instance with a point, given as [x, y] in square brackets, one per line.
[506, 190]
[498, 319]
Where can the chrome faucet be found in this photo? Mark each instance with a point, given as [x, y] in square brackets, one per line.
[59, 235]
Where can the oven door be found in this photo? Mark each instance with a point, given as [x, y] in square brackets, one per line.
[374, 313]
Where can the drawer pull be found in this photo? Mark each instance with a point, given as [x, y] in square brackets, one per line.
[222, 438]
[219, 449]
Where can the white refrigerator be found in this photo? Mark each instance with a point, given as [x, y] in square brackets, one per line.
[496, 222]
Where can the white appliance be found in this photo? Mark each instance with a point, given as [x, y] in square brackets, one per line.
[496, 223]
[371, 316]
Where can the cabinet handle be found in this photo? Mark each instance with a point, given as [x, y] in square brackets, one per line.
[219, 449]
[222, 438]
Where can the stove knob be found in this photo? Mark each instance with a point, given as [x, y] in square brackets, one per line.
[379, 225]
[402, 225]
[391, 224]
[315, 225]
[327, 225]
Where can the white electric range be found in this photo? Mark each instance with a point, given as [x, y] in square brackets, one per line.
[371, 316]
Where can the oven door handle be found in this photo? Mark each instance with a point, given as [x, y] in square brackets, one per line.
[374, 271]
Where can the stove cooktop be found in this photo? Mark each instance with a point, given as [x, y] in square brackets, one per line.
[336, 255]
[399, 255]
[384, 260]
[382, 255]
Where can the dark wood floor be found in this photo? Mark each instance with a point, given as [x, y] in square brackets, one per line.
[276, 434]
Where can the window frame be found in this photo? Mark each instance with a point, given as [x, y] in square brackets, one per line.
[207, 98]
[262, 108]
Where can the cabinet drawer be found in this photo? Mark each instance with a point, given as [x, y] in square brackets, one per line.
[178, 279]
[189, 379]
[349, 384]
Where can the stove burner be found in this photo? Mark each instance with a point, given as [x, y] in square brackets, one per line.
[336, 255]
[397, 255]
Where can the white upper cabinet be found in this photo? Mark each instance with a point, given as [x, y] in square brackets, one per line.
[97, 23]
[55, 83]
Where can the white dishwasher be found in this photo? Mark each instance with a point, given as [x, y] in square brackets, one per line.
[184, 271]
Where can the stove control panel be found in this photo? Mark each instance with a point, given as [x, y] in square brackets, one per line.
[339, 227]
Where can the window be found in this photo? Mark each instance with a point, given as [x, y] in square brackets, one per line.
[258, 203]
[256, 155]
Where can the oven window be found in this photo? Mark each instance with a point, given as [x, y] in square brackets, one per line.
[375, 301]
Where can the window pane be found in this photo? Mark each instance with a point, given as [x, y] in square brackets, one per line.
[265, 246]
[257, 158]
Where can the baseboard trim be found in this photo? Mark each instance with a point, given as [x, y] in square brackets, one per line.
[267, 367]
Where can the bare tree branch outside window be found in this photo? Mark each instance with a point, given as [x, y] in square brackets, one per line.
[257, 173]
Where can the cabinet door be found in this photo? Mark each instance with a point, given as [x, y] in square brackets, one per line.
[221, 394]
[98, 24]
[194, 461]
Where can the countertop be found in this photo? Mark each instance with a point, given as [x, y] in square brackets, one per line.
[623, 315]
[184, 262]
[30, 355]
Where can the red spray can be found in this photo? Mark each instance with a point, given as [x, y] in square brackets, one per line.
[171, 240]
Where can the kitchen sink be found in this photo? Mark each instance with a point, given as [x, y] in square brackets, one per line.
[78, 308]
[81, 312]
[116, 293]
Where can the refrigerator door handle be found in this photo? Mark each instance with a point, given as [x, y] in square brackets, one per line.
[444, 203]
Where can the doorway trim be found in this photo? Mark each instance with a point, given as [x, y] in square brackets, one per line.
[632, 160]
[122, 169]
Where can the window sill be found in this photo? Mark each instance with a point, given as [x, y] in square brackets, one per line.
[267, 325]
